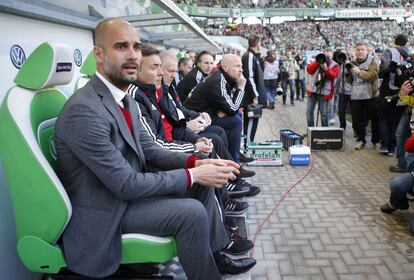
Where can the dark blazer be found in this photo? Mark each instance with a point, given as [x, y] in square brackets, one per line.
[101, 165]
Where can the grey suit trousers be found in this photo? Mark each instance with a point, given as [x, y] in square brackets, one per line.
[195, 221]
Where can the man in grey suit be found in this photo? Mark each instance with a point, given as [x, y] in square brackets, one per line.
[117, 178]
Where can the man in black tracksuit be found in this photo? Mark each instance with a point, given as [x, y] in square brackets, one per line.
[220, 95]
[255, 89]
[203, 66]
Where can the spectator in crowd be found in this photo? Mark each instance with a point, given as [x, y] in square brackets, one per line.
[320, 86]
[341, 33]
[270, 75]
[221, 95]
[364, 95]
[292, 68]
[203, 66]
[191, 55]
[254, 90]
[118, 174]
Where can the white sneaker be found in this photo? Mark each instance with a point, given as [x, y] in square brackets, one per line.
[332, 121]
[359, 145]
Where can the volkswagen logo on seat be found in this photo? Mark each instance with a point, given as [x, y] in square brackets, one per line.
[77, 57]
[17, 56]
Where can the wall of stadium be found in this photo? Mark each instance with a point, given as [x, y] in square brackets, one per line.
[22, 35]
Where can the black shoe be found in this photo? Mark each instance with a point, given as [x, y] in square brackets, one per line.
[242, 185]
[230, 224]
[244, 173]
[292, 102]
[386, 208]
[226, 265]
[253, 191]
[412, 224]
[238, 247]
[236, 189]
[245, 159]
[396, 168]
[234, 207]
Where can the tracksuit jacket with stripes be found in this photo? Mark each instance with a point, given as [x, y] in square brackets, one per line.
[186, 85]
[152, 118]
[218, 92]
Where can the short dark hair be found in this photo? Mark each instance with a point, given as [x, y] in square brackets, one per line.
[401, 40]
[253, 41]
[201, 54]
[183, 60]
[148, 50]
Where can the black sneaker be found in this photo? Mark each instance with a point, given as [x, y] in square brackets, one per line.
[235, 189]
[396, 168]
[234, 207]
[244, 173]
[230, 224]
[238, 247]
[243, 184]
[386, 208]
[245, 159]
[253, 191]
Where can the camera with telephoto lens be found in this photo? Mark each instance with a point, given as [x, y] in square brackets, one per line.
[404, 72]
[342, 58]
[321, 58]
[349, 66]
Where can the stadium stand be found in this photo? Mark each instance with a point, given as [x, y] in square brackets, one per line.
[303, 35]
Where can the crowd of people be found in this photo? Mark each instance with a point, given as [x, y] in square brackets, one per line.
[298, 3]
[304, 35]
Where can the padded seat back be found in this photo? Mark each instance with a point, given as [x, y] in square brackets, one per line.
[27, 116]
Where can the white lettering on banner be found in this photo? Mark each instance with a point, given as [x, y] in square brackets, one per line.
[326, 140]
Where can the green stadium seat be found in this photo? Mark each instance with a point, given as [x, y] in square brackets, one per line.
[42, 208]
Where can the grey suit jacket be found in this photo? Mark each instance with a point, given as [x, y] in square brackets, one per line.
[101, 165]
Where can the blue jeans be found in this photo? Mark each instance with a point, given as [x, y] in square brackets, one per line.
[233, 126]
[285, 83]
[333, 104]
[323, 109]
[271, 93]
[402, 134]
[300, 88]
[400, 185]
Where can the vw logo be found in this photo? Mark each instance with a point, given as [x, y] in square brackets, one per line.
[17, 56]
[77, 57]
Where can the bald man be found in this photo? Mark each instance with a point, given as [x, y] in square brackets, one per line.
[220, 95]
[105, 160]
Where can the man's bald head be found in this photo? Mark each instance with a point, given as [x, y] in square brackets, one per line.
[232, 65]
[229, 59]
[108, 25]
[117, 51]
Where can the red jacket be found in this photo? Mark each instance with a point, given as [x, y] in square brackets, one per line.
[331, 74]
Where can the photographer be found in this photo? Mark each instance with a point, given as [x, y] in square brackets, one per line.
[320, 85]
[403, 184]
[394, 117]
[300, 78]
[343, 88]
[364, 80]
